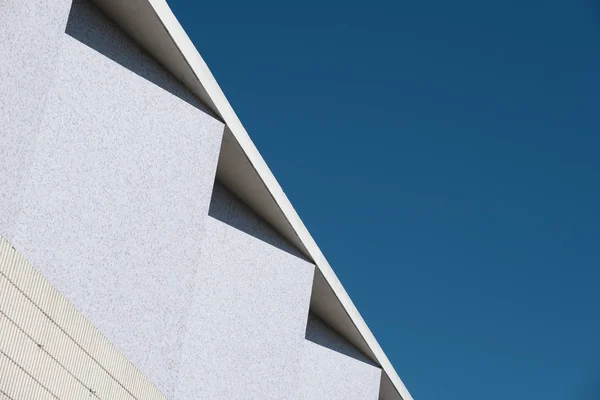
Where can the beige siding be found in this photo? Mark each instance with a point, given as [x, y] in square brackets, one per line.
[48, 350]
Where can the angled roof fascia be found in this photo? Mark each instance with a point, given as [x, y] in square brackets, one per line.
[154, 26]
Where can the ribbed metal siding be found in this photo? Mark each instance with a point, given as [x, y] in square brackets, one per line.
[48, 350]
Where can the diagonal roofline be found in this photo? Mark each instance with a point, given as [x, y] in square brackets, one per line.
[154, 26]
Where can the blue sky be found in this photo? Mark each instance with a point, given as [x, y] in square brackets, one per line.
[445, 156]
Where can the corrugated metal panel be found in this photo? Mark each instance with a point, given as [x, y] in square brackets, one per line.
[17, 384]
[48, 350]
[32, 358]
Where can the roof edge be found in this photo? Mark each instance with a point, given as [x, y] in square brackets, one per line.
[219, 104]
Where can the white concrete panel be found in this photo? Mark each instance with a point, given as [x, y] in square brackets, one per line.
[159, 38]
[29, 40]
[247, 323]
[333, 369]
[118, 190]
[29, 32]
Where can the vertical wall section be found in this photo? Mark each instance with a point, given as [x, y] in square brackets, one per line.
[108, 189]
[30, 33]
[332, 368]
[119, 181]
[248, 318]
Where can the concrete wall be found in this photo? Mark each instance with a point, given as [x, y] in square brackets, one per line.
[108, 166]
[247, 324]
[332, 368]
[117, 192]
[29, 32]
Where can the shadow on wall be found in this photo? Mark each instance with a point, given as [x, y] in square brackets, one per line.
[90, 26]
[227, 208]
[319, 333]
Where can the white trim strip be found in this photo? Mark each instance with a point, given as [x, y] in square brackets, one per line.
[226, 112]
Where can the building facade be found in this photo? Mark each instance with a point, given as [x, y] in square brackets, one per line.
[146, 250]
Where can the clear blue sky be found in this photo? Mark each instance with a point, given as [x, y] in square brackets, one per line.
[446, 157]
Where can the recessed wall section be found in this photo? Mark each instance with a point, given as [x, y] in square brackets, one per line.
[247, 323]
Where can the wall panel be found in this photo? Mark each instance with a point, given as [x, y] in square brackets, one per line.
[333, 369]
[248, 319]
[30, 34]
[117, 191]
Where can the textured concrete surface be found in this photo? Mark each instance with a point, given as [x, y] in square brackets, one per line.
[333, 369]
[92, 28]
[116, 197]
[328, 375]
[247, 324]
[29, 42]
[108, 165]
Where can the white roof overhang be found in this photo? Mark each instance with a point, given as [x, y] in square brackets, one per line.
[242, 170]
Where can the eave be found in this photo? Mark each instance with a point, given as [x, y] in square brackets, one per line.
[243, 170]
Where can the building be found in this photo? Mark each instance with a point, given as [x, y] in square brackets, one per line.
[147, 251]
